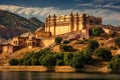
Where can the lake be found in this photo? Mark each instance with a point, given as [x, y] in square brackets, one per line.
[56, 76]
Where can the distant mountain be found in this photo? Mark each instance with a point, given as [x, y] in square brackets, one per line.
[14, 25]
[7, 33]
[35, 21]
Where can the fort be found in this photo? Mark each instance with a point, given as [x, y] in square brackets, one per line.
[56, 26]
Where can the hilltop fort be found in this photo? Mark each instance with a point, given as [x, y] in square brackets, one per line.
[77, 25]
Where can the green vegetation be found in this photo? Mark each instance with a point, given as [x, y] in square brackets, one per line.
[114, 64]
[92, 45]
[95, 31]
[14, 62]
[66, 42]
[80, 42]
[47, 58]
[58, 40]
[103, 53]
[65, 48]
[117, 41]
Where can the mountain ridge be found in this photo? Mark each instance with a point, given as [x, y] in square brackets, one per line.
[13, 25]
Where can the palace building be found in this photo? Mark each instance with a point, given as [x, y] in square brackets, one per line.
[54, 26]
[57, 25]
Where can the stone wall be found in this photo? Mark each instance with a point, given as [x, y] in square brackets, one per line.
[38, 68]
[45, 42]
[54, 69]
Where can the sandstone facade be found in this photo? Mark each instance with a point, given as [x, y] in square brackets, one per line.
[69, 23]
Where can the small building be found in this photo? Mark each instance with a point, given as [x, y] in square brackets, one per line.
[32, 42]
[18, 41]
[8, 48]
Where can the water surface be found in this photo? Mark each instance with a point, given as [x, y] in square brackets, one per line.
[56, 76]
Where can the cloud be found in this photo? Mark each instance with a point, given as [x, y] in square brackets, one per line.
[110, 5]
[106, 0]
[98, 5]
[86, 4]
[109, 16]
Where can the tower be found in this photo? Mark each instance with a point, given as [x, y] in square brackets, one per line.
[71, 22]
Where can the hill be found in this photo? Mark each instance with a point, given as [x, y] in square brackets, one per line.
[14, 25]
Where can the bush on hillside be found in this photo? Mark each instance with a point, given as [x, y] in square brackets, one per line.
[65, 48]
[92, 45]
[117, 41]
[103, 53]
[96, 31]
[66, 42]
[114, 64]
[80, 42]
[58, 40]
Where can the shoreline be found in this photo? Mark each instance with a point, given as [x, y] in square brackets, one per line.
[51, 69]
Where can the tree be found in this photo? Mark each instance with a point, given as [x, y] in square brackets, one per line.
[34, 61]
[86, 54]
[60, 62]
[77, 61]
[27, 62]
[114, 64]
[58, 40]
[92, 45]
[117, 41]
[48, 61]
[13, 62]
[103, 53]
[68, 58]
[95, 31]
[20, 61]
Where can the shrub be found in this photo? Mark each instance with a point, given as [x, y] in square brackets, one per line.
[103, 53]
[80, 42]
[95, 31]
[66, 41]
[13, 62]
[65, 48]
[86, 54]
[117, 41]
[114, 64]
[58, 40]
[92, 45]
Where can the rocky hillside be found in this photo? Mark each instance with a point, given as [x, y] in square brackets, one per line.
[14, 25]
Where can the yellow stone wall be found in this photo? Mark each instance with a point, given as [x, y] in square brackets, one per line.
[47, 41]
[62, 29]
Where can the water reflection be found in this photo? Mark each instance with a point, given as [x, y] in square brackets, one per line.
[56, 76]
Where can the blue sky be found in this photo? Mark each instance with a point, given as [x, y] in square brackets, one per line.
[109, 10]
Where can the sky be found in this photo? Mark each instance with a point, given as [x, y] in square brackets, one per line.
[109, 10]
